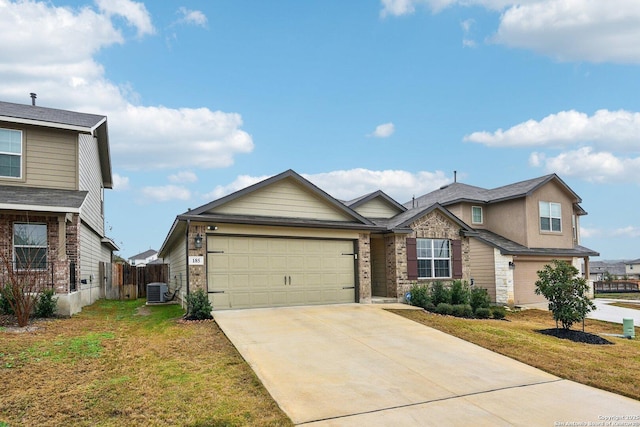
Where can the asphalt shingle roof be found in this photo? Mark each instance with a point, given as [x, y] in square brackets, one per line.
[50, 115]
[47, 197]
[509, 247]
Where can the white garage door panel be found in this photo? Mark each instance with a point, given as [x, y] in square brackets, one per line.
[247, 272]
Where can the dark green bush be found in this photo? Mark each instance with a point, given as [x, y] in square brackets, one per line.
[498, 312]
[198, 306]
[430, 307]
[440, 293]
[479, 298]
[419, 296]
[46, 305]
[462, 310]
[444, 308]
[459, 292]
[5, 297]
[483, 313]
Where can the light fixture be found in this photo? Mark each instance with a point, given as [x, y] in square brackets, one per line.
[198, 241]
[512, 265]
[211, 228]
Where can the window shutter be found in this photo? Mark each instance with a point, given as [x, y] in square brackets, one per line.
[456, 251]
[412, 259]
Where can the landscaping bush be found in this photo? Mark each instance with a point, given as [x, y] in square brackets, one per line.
[198, 306]
[47, 304]
[419, 296]
[430, 307]
[498, 312]
[459, 292]
[444, 308]
[5, 297]
[483, 313]
[479, 299]
[462, 310]
[440, 293]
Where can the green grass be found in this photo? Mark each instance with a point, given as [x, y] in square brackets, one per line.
[123, 363]
[621, 295]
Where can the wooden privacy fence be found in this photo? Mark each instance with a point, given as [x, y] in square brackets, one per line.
[123, 281]
[616, 286]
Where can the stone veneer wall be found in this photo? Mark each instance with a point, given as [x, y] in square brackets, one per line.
[504, 278]
[364, 268]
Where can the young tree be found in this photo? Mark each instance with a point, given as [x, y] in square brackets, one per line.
[566, 293]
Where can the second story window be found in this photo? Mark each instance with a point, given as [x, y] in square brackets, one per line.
[10, 153]
[550, 217]
[476, 215]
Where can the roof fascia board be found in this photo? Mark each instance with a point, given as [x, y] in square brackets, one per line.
[38, 208]
[384, 196]
[46, 124]
[175, 227]
[436, 206]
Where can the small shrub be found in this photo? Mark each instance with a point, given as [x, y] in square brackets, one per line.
[483, 313]
[198, 306]
[479, 298]
[459, 292]
[462, 310]
[5, 297]
[440, 293]
[47, 304]
[498, 312]
[430, 307]
[419, 296]
[444, 308]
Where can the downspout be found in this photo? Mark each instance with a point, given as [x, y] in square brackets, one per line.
[186, 247]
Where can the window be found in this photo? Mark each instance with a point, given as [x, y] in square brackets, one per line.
[434, 258]
[10, 153]
[550, 217]
[476, 215]
[30, 246]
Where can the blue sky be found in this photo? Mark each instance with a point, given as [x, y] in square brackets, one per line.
[206, 97]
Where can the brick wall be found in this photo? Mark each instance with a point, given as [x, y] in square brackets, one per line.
[364, 267]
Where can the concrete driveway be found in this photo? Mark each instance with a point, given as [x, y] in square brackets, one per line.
[354, 365]
[610, 313]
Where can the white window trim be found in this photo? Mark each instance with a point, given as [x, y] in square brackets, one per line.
[551, 217]
[433, 259]
[481, 215]
[20, 155]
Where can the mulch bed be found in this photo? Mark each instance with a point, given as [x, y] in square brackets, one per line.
[575, 336]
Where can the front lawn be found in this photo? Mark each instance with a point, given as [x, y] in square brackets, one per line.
[123, 363]
[613, 367]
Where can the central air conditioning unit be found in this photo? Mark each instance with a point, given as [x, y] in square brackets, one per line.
[156, 292]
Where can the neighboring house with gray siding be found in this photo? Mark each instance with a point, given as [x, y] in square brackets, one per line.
[284, 241]
[54, 167]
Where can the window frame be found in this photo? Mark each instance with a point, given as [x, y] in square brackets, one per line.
[432, 259]
[13, 154]
[473, 221]
[550, 217]
[24, 264]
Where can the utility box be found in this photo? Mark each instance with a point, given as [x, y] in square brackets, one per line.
[628, 330]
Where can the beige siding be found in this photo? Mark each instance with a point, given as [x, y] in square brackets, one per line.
[482, 266]
[377, 208]
[176, 258]
[49, 158]
[552, 192]
[92, 252]
[284, 199]
[91, 181]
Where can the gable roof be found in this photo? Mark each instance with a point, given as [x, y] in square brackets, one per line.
[144, 255]
[40, 199]
[509, 247]
[376, 194]
[93, 124]
[459, 192]
[400, 223]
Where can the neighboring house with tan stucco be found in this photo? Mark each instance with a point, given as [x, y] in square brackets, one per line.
[54, 167]
[284, 241]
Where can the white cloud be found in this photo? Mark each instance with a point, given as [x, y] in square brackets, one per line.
[383, 131]
[192, 17]
[182, 177]
[239, 183]
[613, 129]
[134, 13]
[51, 50]
[120, 183]
[590, 165]
[587, 232]
[627, 232]
[165, 193]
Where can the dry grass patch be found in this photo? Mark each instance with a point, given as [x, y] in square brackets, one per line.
[614, 367]
[118, 364]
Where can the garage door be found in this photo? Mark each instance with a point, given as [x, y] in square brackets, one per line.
[248, 272]
[525, 276]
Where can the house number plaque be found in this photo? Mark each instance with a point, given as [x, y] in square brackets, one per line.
[196, 260]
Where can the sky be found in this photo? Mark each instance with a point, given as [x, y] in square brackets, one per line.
[205, 97]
